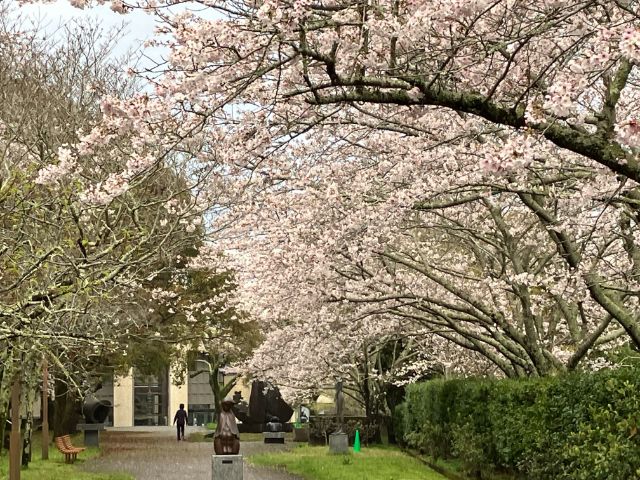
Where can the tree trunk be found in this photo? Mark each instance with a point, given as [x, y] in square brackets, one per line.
[14, 446]
[45, 410]
[27, 427]
[394, 396]
[3, 425]
[215, 388]
[65, 413]
[219, 391]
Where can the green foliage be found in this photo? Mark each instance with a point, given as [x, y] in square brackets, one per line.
[625, 355]
[399, 418]
[376, 463]
[572, 427]
[149, 358]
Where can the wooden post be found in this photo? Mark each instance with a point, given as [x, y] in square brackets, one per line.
[15, 445]
[45, 410]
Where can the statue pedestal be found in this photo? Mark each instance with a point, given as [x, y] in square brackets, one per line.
[338, 443]
[301, 434]
[226, 467]
[91, 433]
[273, 437]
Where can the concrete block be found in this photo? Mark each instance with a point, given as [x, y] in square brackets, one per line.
[91, 433]
[301, 434]
[273, 437]
[338, 443]
[226, 467]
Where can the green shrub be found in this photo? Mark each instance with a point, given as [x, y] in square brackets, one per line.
[571, 427]
[399, 428]
[606, 444]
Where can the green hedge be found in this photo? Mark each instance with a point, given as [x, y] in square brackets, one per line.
[573, 427]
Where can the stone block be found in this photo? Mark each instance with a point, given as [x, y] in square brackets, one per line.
[301, 434]
[91, 433]
[226, 467]
[338, 443]
[273, 437]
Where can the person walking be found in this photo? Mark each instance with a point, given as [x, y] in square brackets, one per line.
[180, 420]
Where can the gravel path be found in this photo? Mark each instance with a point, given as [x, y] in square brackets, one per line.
[156, 455]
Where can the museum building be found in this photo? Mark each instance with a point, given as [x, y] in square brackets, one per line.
[152, 400]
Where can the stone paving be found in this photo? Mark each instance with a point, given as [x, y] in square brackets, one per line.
[154, 454]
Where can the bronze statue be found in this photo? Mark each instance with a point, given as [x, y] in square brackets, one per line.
[226, 439]
[339, 399]
[265, 407]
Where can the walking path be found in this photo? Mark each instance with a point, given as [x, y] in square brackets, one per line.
[154, 454]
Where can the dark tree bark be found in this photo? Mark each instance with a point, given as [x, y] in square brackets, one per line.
[3, 429]
[27, 428]
[66, 410]
[220, 391]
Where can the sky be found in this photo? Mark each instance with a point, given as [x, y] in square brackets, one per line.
[140, 26]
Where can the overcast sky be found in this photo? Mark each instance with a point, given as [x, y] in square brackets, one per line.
[140, 26]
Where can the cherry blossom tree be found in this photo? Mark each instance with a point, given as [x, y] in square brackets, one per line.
[465, 170]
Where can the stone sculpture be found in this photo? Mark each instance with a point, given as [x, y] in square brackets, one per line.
[339, 400]
[266, 406]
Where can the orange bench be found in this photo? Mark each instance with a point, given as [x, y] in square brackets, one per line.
[67, 442]
[64, 445]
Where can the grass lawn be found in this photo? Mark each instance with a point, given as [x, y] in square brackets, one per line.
[373, 463]
[55, 468]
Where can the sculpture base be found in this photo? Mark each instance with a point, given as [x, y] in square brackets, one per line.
[273, 437]
[226, 467]
[91, 433]
[338, 443]
[301, 434]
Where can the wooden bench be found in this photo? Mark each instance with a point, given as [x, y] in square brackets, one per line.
[64, 445]
[66, 439]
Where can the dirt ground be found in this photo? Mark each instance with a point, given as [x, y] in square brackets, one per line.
[156, 455]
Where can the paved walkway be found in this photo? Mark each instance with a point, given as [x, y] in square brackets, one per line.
[154, 454]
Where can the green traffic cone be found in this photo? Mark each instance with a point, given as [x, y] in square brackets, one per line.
[356, 442]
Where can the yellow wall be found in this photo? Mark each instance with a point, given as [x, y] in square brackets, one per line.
[123, 401]
[177, 395]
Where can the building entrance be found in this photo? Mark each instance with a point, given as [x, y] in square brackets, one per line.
[151, 399]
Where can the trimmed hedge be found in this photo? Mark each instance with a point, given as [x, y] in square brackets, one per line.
[572, 427]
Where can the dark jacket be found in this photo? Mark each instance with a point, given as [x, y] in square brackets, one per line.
[181, 417]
